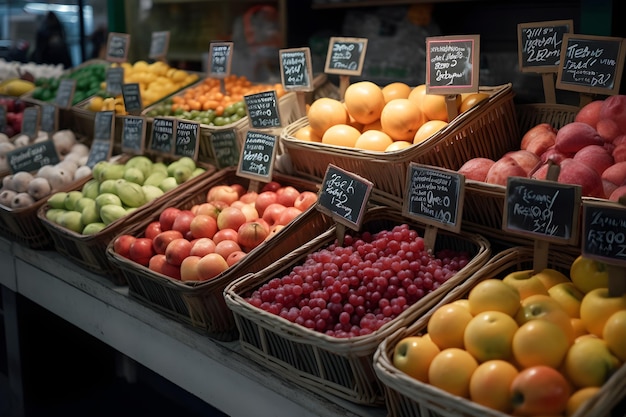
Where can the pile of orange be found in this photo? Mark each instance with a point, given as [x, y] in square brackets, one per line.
[382, 119]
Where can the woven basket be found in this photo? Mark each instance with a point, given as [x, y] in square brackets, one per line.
[408, 397]
[334, 367]
[488, 129]
[200, 305]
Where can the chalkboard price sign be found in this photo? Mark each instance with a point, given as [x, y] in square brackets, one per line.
[344, 196]
[435, 196]
[114, 80]
[591, 64]
[257, 156]
[604, 232]
[65, 93]
[295, 69]
[162, 138]
[220, 58]
[539, 44]
[3, 118]
[345, 56]
[187, 139]
[452, 64]
[263, 110]
[103, 125]
[159, 44]
[225, 147]
[541, 209]
[49, 118]
[117, 47]
[30, 121]
[132, 98]
[100, 151]
[32, 157]
[133, 134]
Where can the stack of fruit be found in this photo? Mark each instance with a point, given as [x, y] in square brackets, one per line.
[88, 79]
[14, 114]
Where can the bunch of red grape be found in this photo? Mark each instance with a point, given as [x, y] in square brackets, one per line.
[354, 289]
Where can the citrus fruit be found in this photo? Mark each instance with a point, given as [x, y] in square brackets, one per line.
[401, 118]
[364, 101]
[396, 90]
[446, 325]
[540, 342]
[493, 294]
[341, 135]
[434, 106]
[417, 94]
[398, 145]
[451, 370]
[428, 129]
[373, 140]
[489, 335]
[326, 112]
[306, 133]
[375, 125]
[470, 100]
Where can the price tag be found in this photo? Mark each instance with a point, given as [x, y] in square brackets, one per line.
[32, 157]
[263, 110]
[65, 93]
[49, 118]
[187, 134]
[159, 44]
[220, 58]
[344, 196]
[114, 81]
[591, 64]
[100, 151]
[452, 64]
[3, 118]
[435, 196]
[225, 147]
[162, 138]
[539, 44]
[117, 47]
[103, 125]
[133, 134]
[257, 156]
[604, 232]
[295, 69]
[345, 56]
[542, 209]
[132, 98]
[30, 121]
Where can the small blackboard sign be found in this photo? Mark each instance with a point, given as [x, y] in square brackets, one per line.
[187, 138]
[220, 58]
[263, 110]
[225, 147]
[541, 209]
[117, 47]
[591, 64]
[100, 151]
[539, 44]
[604, 232]
[435, 196]
[30, 121]
[65, 93]
[159, 44]
[32, 157]
[345, 56]
[295, 69]
[344, 196]
[162, 137]
[132, 98]
[257, 156]
[114, 80]
[133, 134]
[103, 125]
[49, 118]
[452, 64]
[3, 118]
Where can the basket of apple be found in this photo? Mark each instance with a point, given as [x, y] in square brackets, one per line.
[520, 342]
[317, 316]
[178, 259]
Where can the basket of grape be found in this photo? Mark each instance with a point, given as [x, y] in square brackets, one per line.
[317, 315]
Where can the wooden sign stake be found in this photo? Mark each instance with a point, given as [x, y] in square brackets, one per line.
[301, 100]
[254, 186]
[585, 99]
[341, 233]
[549, 91]
[617, 282]
[451, 106]
[430, 237]
[541, 247]
[344, 83]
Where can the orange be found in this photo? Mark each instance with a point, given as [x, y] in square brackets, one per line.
[470, 100]
[373, 140]
[540, 342]
[490, 384]
[451, 370]
[398, 145]
[489, 335]
[326, 112]
[428, 129]
[364, 101]
[401, 118]
[447, 324]
[374, 125]
[396, 90]
[306, 133]
[434, 106]
[417, 94]
[341, 135]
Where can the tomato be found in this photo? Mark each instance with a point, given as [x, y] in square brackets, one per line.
[588, 274]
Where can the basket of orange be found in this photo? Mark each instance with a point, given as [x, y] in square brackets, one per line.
[376, 132]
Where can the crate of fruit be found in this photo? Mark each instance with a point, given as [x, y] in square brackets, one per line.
[317, 316]
[394, 134]
[82, 221]
[548, 358]
[240, 225]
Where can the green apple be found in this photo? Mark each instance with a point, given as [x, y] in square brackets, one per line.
[526, 282]
[413, 355]
[84, 202]
[90, 215]
[71, 198]
[107, 186]
[168, 183]
[590, 363]
[91, 188]
[57, 200]
[135, 175]
[93, 228]
[106, 199]
[71, 220]
[596, 308]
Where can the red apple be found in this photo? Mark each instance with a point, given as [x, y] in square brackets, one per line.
[249, 197]
[249, 211]
[526, 159]
[239, 188]
[274, 230]
[141, 251]
[590, 113]
[251, 234]
[235, 257]
[271, 186]
[156, 263]
[539, 138]
[225, 234]
[211, 209]
[576, 135]
[619, 140]
[189, 268]
[616, 173]
[608, 187]
[614, 108]
[152, 229]
[574, 172]
[272, 213]
[230, 218]
[182, 222]
[476, 168]
[122, 244]
[288, 215]
[177, 250]
[203, 225]
[172, 271]
[608, 130]
[226, 247]
[551, 154]
[210, 266]
[619, 152]
[224, 193]
[305, 200]
[502, 169]
[160, 241]
[595, 157]
[287, 195]
[539, 390]
[202, 246]
[167, 217]
[263, 200]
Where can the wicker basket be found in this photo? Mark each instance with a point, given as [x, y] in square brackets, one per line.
[200, 305]
[489, 129]
[334, 367]
[408, 397]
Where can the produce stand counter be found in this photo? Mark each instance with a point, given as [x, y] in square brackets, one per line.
[216, 372]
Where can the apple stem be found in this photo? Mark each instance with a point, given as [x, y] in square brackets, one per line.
[540, 255]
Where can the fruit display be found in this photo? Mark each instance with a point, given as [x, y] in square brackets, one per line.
[10, 70]
[14, 114]
[525, 343]
[88, 78]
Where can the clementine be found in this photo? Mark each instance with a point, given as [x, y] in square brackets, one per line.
[326, 112]
[341, 135]
[434, 106]
[373, 140]
[417, 94]
[398, 145]
[428, 129]
[396, 90]
[470, 100]
[401, 118]
[306, 133]
[364, 101]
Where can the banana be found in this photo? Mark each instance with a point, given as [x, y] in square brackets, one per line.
[16, 87]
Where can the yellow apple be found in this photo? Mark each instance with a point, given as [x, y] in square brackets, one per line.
[447, 325]
[579, 398]
[413, 355]
[540, 342]
[568, 296]
[458, 381]
[590, 363]
[550, 277]
[489, 336]
[490, 382]
[493, 295]
[544, 307]
[526, 283]
[596, 308]
[614, 334]
[588, 274]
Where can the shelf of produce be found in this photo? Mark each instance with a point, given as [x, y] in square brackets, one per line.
[216, 372]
